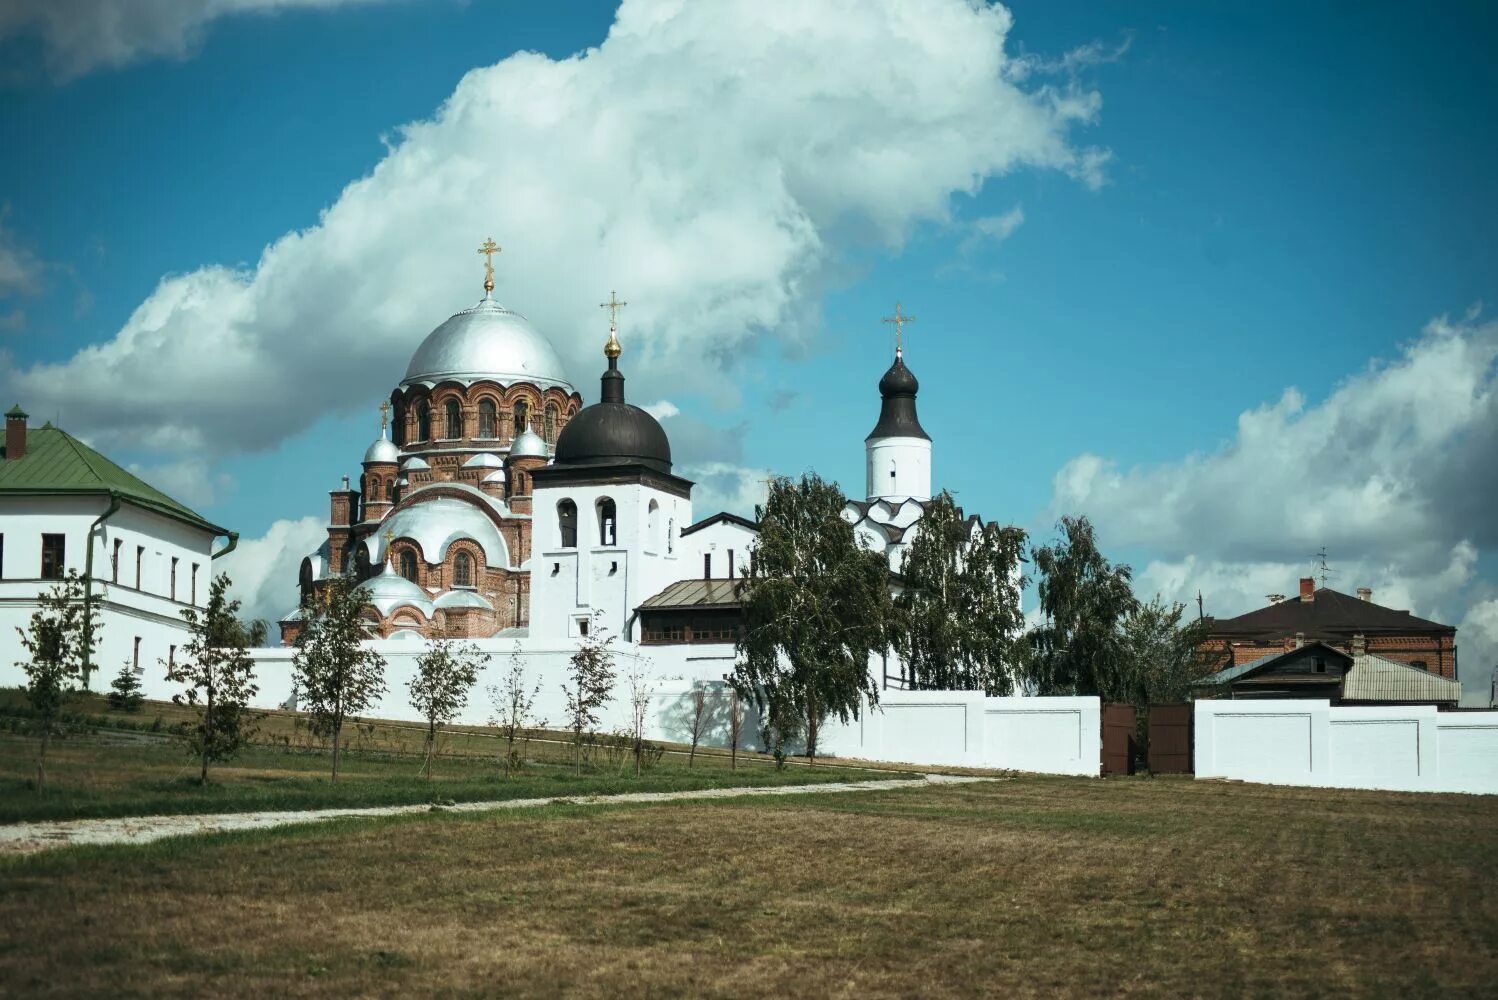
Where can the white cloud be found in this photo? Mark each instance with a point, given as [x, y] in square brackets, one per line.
[79, 36]
[990, 229]
[662, 410]
[264, 570]
[709, 160]
[1478, 647]
[191, 481]
[20, 269]
[725, 486]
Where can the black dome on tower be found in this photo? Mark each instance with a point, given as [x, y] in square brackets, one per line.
[613, 432]
[897, 413]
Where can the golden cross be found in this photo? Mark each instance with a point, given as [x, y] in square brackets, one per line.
[613, 305]
[384, 415]
[899, 319]
[489, 249]
[389, 537]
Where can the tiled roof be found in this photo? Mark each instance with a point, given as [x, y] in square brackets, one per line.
[697, 594]
[1330, 614]
[56, 463]
[1373, 678]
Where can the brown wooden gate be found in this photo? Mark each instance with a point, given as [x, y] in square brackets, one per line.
[1170, 739]
[1118, 739]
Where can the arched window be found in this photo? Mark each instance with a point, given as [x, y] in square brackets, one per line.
[361, 560]
[423, 421]
[304, 579]
[390, 488]
[522, 416]
[670, 536]
[567, 523]
[551, 423]
[408, 565]
[608, 526]
[463, 570]
[652, 523]
[398, 428]
[454, 419]
[488, 419]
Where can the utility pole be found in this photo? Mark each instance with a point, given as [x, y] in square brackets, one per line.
[1201, 614]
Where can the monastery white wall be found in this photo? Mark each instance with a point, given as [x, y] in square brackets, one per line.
[725, 543]
[1305, 742]
[132, 608]
[969, 729]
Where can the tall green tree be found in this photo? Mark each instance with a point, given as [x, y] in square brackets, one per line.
[335, 675]
[959, 609]
[59, 641]
[445, 673]
[1084, 598]
[1162, 648]
[219, 675]
[816, 608]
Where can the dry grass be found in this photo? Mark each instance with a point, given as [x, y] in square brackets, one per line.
[1033, 886]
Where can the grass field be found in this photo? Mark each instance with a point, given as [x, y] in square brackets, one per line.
[1021, 887]
[103, 770]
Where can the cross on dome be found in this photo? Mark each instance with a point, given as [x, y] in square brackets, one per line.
[899, 319]
[489, 249]
[612, 349]
[384, 416]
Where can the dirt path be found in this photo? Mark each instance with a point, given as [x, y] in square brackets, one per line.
[26, 838]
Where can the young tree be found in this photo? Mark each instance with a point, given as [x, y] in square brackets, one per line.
[124, 691]
[1084, 598]
[439, 689]
[698, 719]
[591, 687]
[816, 607]
[959, 610]
[1164, 661]
[641, 690]
[735, 727]
[59, 640]
[219, 676]
[514, 703]
[335, 676]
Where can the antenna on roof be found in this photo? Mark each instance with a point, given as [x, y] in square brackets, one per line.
[1320, 568]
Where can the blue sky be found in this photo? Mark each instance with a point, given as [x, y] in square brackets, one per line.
[1290, 195]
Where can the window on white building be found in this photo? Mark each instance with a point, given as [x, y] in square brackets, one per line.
[608, 531]
[54, 553]
[194, 595]
[174, 578]
[140, 557]
[567, 523]
[114, 562]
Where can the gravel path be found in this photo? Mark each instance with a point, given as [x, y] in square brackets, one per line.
[26, 838]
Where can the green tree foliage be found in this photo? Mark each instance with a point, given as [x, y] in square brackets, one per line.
[514, 703]
[60, 639]
[124, 691]
[219, 676]
[445, 673]
[1079, 647]
[816, 607]
[335, 676]
[959, 612]
[591, 686]
[1162, 653]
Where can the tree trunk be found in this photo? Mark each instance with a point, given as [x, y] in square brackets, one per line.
[811, 734]
[692, 756]
[337, 738]
[41, 757]
[207, 737]
[431, 747]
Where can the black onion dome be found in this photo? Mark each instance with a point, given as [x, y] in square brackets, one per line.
[897, 413]
[613, 432]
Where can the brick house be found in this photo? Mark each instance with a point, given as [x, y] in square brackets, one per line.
[1335, 620]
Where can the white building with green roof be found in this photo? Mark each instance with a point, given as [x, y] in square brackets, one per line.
[64, 506]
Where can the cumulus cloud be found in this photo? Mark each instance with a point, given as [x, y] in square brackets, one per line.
[79, 36]
[1393, 473]
[726, 486]
[709, 160]
[191, 481]
[264, 570]
[20, 274]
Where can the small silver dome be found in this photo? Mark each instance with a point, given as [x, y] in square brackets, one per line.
[414, 462]
[484, 460]
[497, 476]
[529, 445]
[487, 342]
[388, 590]
[383, 450]
[458, 600]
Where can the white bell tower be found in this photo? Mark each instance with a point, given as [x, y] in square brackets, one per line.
[898, 450]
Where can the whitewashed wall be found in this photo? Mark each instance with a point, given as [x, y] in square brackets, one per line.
[967, 729]
[1397, 747]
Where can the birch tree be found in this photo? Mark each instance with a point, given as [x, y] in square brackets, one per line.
[641, 690]
[59, 640]
[590, 686]
[445, 673]
[335, 676]
[514, 703]
[219, 677]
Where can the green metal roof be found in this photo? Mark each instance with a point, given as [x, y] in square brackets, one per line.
[56, 464]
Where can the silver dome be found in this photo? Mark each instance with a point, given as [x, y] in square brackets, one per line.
[435, 523]
[497, 476]
[389, 590]
[458, 600]
[414, 462]
[529, 445]
[487, 342]
[484, 460]
[383, 450]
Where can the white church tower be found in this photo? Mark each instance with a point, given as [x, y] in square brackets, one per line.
[898, 450]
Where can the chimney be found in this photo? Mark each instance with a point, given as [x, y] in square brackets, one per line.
[1307, 588]
[15, 433]
[1365, 594]
[1359, 642]
[1300, 639]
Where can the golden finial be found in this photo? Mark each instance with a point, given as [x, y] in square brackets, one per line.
[384, 416]
[899, 319]
[612, 350]
[389, 538]
[489, 249]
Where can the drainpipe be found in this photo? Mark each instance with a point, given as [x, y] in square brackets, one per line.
[88, 579]
[233, 537]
